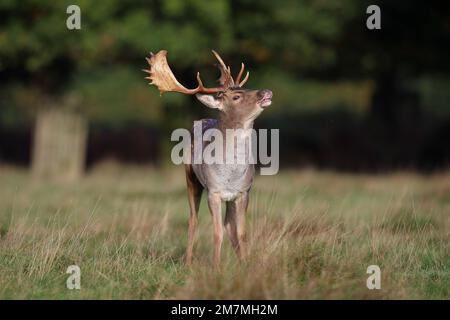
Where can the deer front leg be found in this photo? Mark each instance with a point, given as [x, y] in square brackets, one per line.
[240, 205]
[215, 206]
[235, 223]
[231, 226]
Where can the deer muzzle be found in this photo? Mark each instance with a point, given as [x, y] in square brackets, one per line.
[265, 98]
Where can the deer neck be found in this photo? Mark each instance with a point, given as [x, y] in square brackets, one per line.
[226, 122]
[241, 132]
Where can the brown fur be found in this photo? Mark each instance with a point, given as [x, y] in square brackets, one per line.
[238, 109]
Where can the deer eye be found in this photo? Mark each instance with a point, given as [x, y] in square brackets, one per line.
[236, 98]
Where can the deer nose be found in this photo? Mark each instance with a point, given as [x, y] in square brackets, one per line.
[265, 94]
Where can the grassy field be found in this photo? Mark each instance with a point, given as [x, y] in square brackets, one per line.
[310, 234]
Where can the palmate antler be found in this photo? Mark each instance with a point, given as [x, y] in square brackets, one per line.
[163, 78]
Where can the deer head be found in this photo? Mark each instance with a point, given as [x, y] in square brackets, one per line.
[238, 105]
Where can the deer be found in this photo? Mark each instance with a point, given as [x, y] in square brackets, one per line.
[230, 183]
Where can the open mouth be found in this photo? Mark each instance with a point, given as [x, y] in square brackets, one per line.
[265, 102]
[266, 99]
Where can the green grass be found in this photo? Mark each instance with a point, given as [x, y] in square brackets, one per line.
[310, 234]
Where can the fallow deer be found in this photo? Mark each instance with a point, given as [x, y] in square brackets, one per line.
[238, 108]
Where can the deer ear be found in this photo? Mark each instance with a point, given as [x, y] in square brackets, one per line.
[209, 100]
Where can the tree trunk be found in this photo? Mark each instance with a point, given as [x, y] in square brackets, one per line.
[59, 148]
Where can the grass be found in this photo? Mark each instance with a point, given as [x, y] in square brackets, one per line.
[310, 234]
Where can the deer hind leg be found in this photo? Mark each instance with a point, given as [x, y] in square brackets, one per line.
[194, 189]
[235, 223]
[215, 206]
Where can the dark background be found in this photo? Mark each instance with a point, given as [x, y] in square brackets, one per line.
[345, 97]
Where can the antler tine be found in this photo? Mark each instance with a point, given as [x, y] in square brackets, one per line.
[225, 71]
[230, 81]
[201, 88]
[219, 59]
[200, 83]
[238, 78]
[245, 79]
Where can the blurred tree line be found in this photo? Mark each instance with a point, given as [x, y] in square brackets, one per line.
[344, 96]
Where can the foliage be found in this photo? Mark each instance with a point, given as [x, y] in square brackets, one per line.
[314, 54]
[105, 56]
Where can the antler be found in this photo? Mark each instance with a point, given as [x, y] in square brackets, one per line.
[225, 73]
[238, 81]
[163, 78]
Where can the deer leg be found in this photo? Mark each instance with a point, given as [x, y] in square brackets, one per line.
[215, 203]
[194, 189]
[230, 225]
[241, 204]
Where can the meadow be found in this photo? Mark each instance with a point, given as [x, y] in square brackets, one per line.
[311, 235]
